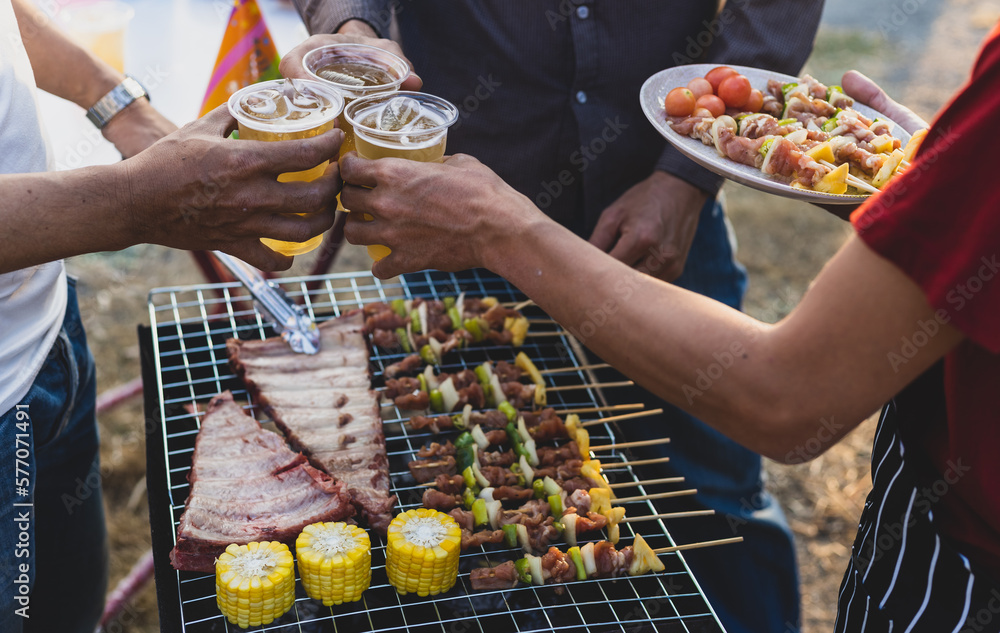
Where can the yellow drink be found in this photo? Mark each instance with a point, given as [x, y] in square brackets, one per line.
[100, 28]
[409, 125]
[286, 110]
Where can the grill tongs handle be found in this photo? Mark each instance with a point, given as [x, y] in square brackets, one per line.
[288, 318]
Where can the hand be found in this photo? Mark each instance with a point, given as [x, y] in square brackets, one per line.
[198, 190]
[658, 216]
[450, 216]
[351, 32]
[137, 127]
[866, 91]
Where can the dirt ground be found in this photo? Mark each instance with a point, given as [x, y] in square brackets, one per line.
[783, 244]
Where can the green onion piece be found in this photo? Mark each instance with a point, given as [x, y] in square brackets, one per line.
[468, 498]
[458, 421]
[830, 124]
[515, 467]
[427, 355]
[509, 411]
[765, 146]
[404, 340]
[415, 320]
[437, 401]
[521, 565]
[785, 88]
[423, 382]
[456, 318]
[515, 440]
[510, 536]
[473, 327]
[788, 121]
[479, 515]
[577, 558]
[449, 302]
[832, 90]
[559, 527]
[399, 307]
[555, 504]
[539, 488]
[521, 480]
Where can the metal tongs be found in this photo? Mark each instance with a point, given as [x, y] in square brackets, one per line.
[288, 318]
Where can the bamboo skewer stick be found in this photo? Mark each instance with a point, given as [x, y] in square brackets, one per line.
[637, 462]
[518, 306]
[624, 416]
[611, 447]
[546, 334]
[680, 548]
[559, 370]
[648, 482]
[669, 515]
[854, 181]
[614, 407]
[658, 495]
[595, 385]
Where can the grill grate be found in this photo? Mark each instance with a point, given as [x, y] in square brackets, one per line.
[187, 362]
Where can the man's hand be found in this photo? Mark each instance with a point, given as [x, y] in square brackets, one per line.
[137, 127]
[351, 32]
[450, 216]
[658, 216]
[866, 91]
[198, 190]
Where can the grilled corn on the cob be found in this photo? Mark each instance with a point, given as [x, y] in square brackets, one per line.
[335, 562]
[254, 583]
[422, 552]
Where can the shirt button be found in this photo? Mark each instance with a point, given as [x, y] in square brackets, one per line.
[581, 97]
[583, 12]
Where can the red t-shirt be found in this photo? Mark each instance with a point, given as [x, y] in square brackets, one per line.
[940, 224]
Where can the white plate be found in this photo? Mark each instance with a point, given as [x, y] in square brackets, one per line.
[655, 90]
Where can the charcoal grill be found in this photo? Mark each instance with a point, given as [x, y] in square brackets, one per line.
[184, 361]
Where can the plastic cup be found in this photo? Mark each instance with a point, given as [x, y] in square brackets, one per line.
[423, 143]
[282, 128]
[100, 28]
[356, 70]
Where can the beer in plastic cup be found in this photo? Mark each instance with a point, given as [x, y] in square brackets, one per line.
[410, 125]
[356, 70]
[100, 28]
[287, 109]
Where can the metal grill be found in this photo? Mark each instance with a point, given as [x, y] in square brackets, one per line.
[186, 362]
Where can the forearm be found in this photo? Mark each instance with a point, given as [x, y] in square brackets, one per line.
[49, 216]
[328, 16]
[62, 67]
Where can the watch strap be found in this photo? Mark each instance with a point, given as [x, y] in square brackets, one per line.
[117, 99]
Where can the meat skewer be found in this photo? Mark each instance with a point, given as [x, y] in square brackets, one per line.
[593, 560]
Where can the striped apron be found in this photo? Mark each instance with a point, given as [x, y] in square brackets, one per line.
[902, 575]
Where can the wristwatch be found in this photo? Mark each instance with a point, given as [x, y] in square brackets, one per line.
[115, 101]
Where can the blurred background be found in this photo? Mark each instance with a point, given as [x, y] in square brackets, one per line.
[919, 50]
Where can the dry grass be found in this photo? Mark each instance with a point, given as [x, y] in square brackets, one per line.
[783, 244]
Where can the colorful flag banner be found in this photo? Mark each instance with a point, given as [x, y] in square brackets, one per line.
[247, 55]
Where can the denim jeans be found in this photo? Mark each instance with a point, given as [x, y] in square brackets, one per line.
[51, 436]
[752, 585]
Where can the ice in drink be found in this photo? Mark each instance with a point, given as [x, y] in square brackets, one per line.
[287, 109]
[410, 125]
[356, 70]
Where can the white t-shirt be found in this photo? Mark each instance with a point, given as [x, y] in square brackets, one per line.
[32, 300]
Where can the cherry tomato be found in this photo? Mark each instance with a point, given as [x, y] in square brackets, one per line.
[701, 112]
[711, 103]
[679, 102]
[755, 102]
[735, 90]
[717, 74]
[700, 87]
